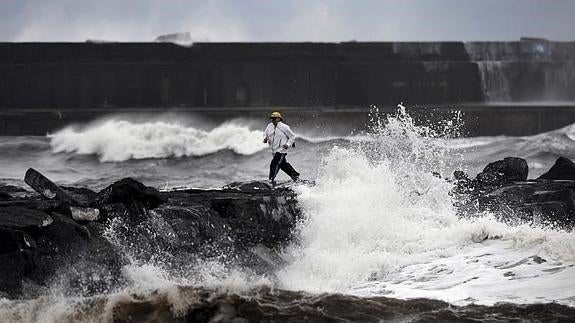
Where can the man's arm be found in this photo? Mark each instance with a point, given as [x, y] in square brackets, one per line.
[290, 134]
[266, 134]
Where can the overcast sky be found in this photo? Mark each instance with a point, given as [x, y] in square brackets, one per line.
[294, 20]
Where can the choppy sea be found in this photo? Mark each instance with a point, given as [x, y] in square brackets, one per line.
[377, 223]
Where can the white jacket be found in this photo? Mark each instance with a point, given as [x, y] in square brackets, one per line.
[278, 136]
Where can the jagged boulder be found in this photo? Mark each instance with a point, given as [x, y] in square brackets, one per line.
[7, 192]
[14, 240]
[507, 170]
[502, 190]
[19, 217]
[47, 188]
[563, 169]
[129, 192]
[84, 251]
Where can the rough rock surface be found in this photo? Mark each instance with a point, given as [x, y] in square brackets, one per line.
[41, 245]
[502, 189]
[48, 240]
[563, 169]
[506, 170]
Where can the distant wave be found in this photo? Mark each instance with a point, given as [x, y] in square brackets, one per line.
[121, 140]
[558, 142]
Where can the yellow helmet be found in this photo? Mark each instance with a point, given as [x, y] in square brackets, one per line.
[275, 114]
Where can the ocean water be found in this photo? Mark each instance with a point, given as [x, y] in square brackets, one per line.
[377, 222]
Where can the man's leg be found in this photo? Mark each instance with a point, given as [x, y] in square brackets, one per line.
[288, 169]
[275, 165]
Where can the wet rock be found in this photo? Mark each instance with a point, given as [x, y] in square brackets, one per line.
[130, 192]
[20, 217]
[81, 194]
[249, 186]
[563, 169]
[507, 170]
[177, 227]
[13, 269]
[499, 191]
[46, 187]
[8, 192]
[11, 189]
[46, 206]
[14, 240]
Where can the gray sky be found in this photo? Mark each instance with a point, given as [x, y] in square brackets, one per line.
[294, 20]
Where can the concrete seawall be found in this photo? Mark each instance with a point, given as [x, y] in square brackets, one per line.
[44, 86]
[155, 75]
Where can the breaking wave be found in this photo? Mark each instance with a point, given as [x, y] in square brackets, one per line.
[121, 140]
[379, 222]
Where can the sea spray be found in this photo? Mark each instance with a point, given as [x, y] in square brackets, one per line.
[376, 205]
[378, 222]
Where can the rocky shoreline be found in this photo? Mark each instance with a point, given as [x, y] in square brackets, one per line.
[503, 190]
[79, 238]
[70, 230]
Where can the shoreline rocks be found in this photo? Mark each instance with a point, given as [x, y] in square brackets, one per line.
[503, 190]
[82, 239]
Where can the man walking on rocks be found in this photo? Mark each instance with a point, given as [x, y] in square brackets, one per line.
[280, 138]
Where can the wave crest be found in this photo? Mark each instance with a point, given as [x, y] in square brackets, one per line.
[120, 140]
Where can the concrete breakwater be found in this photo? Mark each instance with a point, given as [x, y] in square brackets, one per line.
[153, 75]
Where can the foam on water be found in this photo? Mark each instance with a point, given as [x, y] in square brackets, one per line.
[379, 223]
[120, 140]
[116, 140]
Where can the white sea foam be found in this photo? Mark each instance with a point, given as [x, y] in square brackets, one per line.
[379, 223]
[120, 140]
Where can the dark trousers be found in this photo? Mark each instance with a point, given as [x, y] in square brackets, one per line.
[279, 162]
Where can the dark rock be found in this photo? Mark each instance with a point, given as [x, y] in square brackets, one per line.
[47, 188]
[11, 189]
[249, 186]
[507, 170]
[19, 217]
[63, 235]
[563, 169]
[83, 195]
[7, 192]
[14, 267]
[14, 240]
[183, 227]
[500, 191]
[47, 206]
[130, 192]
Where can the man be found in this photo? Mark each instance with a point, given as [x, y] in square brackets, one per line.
[280, 137]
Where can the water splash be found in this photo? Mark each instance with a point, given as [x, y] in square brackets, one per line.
[375, 205]
[378, 222]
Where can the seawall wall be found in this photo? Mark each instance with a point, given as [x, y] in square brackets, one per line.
[140, 75]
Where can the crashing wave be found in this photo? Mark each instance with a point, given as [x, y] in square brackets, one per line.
[121, 140]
